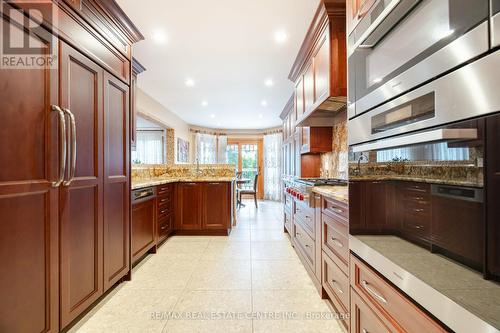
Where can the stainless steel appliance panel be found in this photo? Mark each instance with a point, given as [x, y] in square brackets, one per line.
[403, 43]
[468, 92]
[495, 23]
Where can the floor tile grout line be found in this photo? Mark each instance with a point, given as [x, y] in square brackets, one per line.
[183, 292]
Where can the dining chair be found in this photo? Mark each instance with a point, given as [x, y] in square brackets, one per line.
[252, 192]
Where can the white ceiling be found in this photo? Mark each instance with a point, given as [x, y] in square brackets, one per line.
[228, 48]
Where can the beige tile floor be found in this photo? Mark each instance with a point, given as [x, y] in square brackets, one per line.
[251, 281]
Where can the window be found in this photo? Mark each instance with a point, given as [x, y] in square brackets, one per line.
[232, 155]
[206, 148]
[150, 147]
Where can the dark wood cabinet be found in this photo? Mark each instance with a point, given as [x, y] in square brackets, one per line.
[116, 180]
[29, 204]
[65, 212]
[203, 208]
[357, 206]
[143, 228]
[368, 207]
[165, 211]
[492, 195]
[316, 140]
[189, 211]
[216, 206]
[81, 212]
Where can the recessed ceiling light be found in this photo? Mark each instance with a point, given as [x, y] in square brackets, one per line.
[204, 103]
[263, 103]
[269, 83]
[280, 36]
[261, 116]
[159, 36]
[212, 116]
[190, 82]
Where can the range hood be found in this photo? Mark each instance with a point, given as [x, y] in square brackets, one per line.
[330, 112]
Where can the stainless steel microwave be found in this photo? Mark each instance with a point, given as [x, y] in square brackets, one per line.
[401, 44]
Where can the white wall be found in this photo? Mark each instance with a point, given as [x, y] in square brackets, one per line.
[150, 108]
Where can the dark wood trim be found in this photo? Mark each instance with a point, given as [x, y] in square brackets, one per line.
[327, 9]
[114, 13]
[288, 107]
[137, 67]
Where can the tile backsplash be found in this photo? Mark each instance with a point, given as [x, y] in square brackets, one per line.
[335, 163]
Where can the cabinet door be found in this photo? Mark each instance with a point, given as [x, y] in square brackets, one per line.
[29, 162]
[356, 206]
[81, 200]
[116, 180]
[143, 234]
[309, 97]
[375, 205]
[216, 208]
[322, 69]
[189, 206]
[299, 97]
[492, 194]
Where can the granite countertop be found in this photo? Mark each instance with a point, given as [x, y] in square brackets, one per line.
[141, 183]
[415, 179]
[339, 193]
[460, 284]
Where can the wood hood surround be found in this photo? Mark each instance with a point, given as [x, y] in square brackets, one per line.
[320, 69]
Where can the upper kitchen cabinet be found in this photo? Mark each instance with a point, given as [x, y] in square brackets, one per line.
[320, 70]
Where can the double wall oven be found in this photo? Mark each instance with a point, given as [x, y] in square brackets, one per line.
[424, 113]
[400, 44]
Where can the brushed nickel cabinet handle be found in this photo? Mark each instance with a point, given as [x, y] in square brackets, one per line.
[336, 285]
[164, 227]
[337, 242]
[62, 146]
[373, 292]
[418, 210]
[163, 211]
[73, 148]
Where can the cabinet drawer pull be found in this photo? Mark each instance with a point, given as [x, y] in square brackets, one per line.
[373, 292]
[418, 210]
[164, 227]
[337, 242]
[163, 200]
[337, 210]
[163, 211]
[365, 331]
[418, 198]
[336, 285]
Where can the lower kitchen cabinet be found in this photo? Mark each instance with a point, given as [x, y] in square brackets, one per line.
[143, 227]
[377, 306]
[189, 197]
[216, 199]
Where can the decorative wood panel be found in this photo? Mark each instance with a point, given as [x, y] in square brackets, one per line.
[81, 218]
[116, 180]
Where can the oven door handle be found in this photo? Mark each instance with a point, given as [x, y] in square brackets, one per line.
[419, 138]
[388, 18]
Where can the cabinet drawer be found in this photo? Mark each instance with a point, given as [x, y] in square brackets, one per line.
[336, 284]
[165, 225]
[335, 209]
[366, 320]
[164, 211]
[305, 244]
[304, 215]
[165, 198]
[335, 240]
[389, 301]
[164, 189]
[288, 203]
[288, 222]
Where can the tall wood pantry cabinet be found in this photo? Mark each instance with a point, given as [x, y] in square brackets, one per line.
[64, 163]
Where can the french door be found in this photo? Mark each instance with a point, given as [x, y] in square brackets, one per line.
[247, 156]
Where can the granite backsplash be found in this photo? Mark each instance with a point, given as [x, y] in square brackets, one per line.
[335, 163]
[182, 170]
